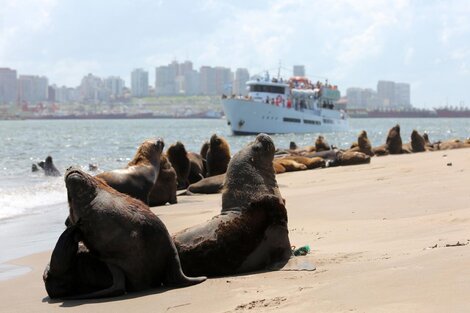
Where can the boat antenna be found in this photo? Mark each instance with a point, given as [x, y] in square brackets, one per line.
[279, 71]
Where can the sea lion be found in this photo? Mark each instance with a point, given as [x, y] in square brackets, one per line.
[49, 167]
[353, 158]
[34, 168]
[292, 145]
[278, 168]
[164, 190]
[122, 231]
[310, 163]
[208, 185]
[196, 167]
[138, 178]
[250, 174]
[204, 148]
[394, 142]
[363, 144]
[429, 145]
[452, 144]
[289, 164]
[217, 156]
[74, 272]
[189, 166]
[321, 144]
[418, 144]
[331, 157]
[237, 241]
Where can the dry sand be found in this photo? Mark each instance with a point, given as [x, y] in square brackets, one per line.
[378, 235]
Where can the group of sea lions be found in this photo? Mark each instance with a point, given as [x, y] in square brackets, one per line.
[114, 244]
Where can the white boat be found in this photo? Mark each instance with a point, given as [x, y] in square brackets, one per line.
[274, 106]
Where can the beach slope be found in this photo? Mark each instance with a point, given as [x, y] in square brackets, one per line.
[390, 236]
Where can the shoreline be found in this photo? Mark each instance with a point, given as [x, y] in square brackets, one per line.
[382, 235]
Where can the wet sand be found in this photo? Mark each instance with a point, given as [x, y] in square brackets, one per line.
[390, 236]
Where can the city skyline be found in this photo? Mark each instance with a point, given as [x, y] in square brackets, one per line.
[351, 43]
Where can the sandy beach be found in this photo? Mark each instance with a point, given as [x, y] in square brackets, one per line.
[390, 236]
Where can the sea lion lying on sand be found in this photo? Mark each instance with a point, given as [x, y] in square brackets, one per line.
[237, 241]
[310, 163]
[250, 174]
[289, 164]
[138, 178]
[353, 158]
[122, 232]
[208, 185]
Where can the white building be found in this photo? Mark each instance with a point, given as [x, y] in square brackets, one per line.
[115, 86]
[139, 83]
[239, 85]
[8, 86]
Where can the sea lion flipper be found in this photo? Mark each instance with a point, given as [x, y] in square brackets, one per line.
[175, 276]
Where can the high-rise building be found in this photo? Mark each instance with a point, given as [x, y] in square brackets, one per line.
[8, 86]
[402, 95]
[354, 96]
[165, 84]
[90, 88]
[115, 86]
[66, 94]
[299, 70]
[139, 83]
[223, 80]
[32, 89]
[239, 85]
[207, 80]
[386, 93]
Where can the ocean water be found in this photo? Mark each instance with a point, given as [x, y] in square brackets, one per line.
[33, 207]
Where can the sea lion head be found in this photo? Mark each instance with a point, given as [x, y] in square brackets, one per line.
[48, 161]
[81, 190]
[215, 141]
[321, 144]
[292, 145]
[148, 152]
[263, 148]
[417, 142]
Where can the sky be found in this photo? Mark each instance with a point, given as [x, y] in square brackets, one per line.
[353, 43]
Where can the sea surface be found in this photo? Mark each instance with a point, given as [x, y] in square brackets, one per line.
[33, 207]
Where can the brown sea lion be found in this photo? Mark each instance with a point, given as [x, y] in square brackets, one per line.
[429, 145]
[218, 156]
[196, 167]
[237, 241]
[122, 231]
[310, 163]
[321, 144]
[208, 185]
[363, 144]
[278, 168]
[418, 144]
[74, 272]
[353, 158]
[141, 173]
[394, 142]
[452, 144]
[164, 190]
[250, 174]
[178, 158]
[204, 148]
[290, 165]
[292, 145]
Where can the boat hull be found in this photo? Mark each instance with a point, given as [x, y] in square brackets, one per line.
[247, 117]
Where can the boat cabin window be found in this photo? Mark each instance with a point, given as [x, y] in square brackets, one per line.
[265, 88]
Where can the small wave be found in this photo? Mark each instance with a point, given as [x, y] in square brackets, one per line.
[31, 197]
